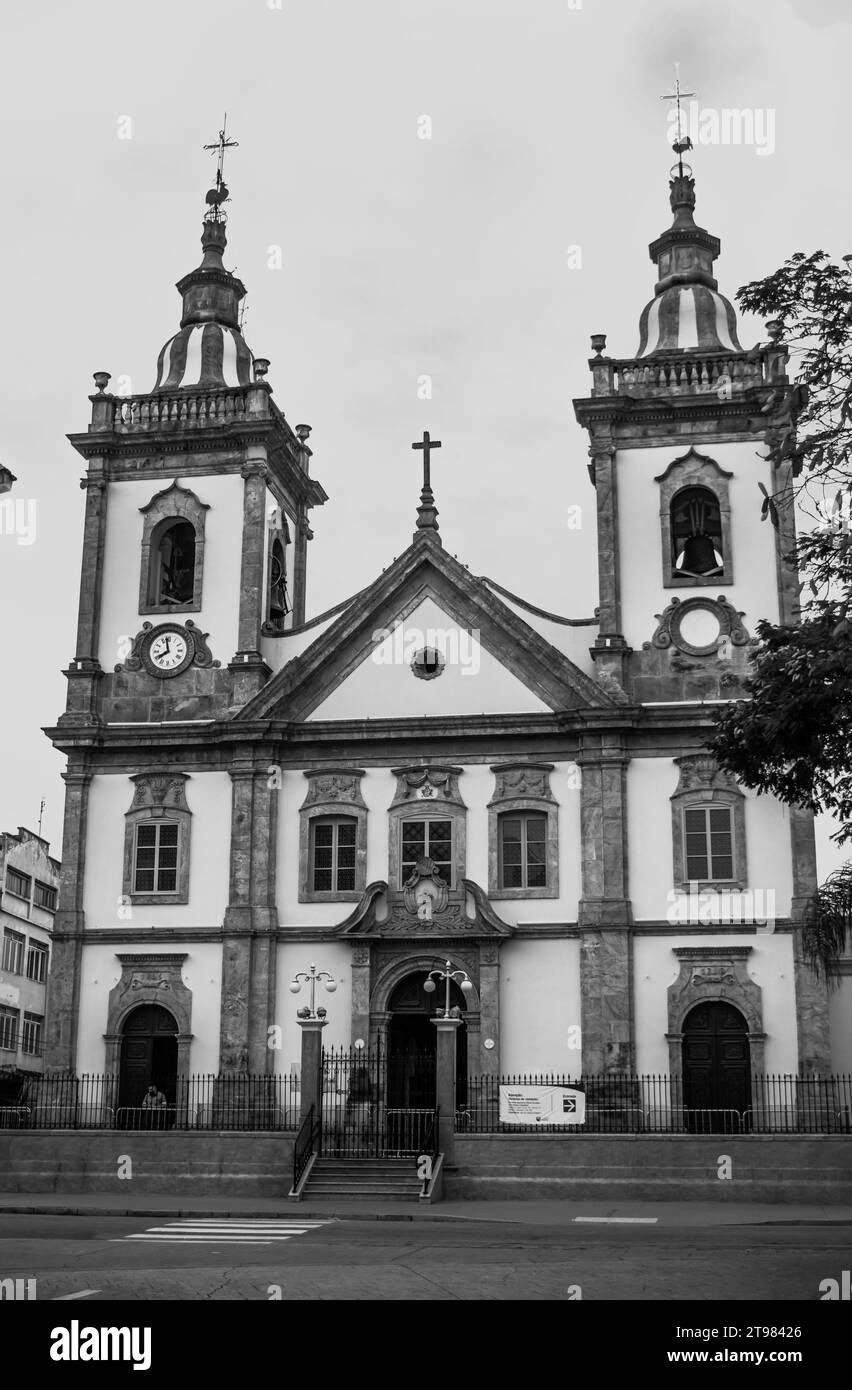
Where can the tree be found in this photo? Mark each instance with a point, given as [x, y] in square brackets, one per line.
[791, 736]
[827, 922]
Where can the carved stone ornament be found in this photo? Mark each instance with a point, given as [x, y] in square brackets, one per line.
[699, 772]
[427, 784]
[159, 793]
[337, 786]
[671, 621]
[426, 891]
[527, 780]
[197, 651]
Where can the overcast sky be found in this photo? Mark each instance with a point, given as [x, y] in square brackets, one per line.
[401, 256]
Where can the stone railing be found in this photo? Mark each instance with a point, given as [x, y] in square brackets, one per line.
[688, 374]
[179, 410]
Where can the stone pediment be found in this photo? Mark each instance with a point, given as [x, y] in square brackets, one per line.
[376, 917]
[530, 672]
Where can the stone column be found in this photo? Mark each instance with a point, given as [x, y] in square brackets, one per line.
[249, 932]
[300, 565]
[812, 1008]
[311, 1078]
[610, 650]
[84, 672]
[606, 967]
[445, 1085]
[63, 980]
[360, 975]
[247, 664]
[488, 1060]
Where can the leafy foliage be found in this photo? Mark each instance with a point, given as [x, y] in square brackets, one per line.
[827, 923]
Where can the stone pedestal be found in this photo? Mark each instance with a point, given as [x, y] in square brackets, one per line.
[311, 1084]
[445, 1085]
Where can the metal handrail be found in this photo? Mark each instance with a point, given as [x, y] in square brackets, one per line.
[307, 1143]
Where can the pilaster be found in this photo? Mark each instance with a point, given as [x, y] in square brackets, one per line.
[63, 981]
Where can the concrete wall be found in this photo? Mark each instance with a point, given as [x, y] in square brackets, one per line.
[647, 1167]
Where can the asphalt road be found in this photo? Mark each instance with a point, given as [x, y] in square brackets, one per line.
[92, 1258]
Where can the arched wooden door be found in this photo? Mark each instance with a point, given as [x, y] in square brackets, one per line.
[148, 1055]
[716, 1068]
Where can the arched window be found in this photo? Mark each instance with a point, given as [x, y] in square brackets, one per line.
[696, 532]
[279, 604]
[172, 569]
[173, 563]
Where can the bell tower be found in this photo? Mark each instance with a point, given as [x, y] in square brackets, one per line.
[685, 566]
[198, 498]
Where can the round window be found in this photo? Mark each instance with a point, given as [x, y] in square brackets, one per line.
[427, 663]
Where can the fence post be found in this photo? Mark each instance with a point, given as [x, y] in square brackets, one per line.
[445, 1085]
[311, 1079]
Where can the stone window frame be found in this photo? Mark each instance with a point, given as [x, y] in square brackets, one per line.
[277, 529]
[695, 470]
[427, 793]
[333, 791]
[523, 786]
[701, 784]
[158, 797]
[174, 503]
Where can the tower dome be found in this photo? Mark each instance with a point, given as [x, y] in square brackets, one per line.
[208, 350]
[687, 313]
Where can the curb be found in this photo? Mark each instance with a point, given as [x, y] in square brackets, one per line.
[206, 1213]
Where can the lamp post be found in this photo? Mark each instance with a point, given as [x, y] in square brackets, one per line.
[312, 979]
[445, 1068]
[311, 1021]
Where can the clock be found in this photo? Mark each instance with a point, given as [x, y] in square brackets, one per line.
[167, 650]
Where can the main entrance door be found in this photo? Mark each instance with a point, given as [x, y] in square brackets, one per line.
[148, 1068]
[716, 1068]
[413, 1043]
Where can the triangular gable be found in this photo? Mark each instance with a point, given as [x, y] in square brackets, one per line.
[424, 573]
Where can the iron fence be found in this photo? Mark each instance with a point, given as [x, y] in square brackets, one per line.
[618, 1103]
[366, 1104]
[206, 1102]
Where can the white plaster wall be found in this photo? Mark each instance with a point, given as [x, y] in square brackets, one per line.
[650, 784]
[754, 590]
[100, 972]
[298, 956]
[840, 1018]
[120, 617]
[770, 965]
[472, 682]
[208, 795]
[539, 1003]
[277, 651]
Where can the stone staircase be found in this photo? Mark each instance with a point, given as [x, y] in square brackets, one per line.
[382, 1179]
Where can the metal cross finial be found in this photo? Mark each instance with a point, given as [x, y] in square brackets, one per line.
[680, 143]
[218, 195]
[427, 445]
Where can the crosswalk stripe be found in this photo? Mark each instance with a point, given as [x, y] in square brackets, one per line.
[235, 1230]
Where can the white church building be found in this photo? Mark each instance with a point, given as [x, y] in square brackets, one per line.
[435, 768]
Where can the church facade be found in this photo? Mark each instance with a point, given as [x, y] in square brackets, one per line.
[436, 768]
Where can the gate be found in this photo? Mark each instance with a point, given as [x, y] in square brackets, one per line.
[357, 1121]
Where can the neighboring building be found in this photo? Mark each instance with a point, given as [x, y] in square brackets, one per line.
[29, 885]
[435, 767]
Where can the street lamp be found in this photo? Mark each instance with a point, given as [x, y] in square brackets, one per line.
[448, 974]
[311, 979]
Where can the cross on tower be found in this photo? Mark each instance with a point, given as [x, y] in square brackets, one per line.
[427, 445]
[682, 142]
[220, 193]
[427, 512]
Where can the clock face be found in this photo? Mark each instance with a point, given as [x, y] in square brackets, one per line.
[169, 651]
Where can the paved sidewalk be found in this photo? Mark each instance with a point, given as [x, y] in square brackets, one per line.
[544, 1213]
